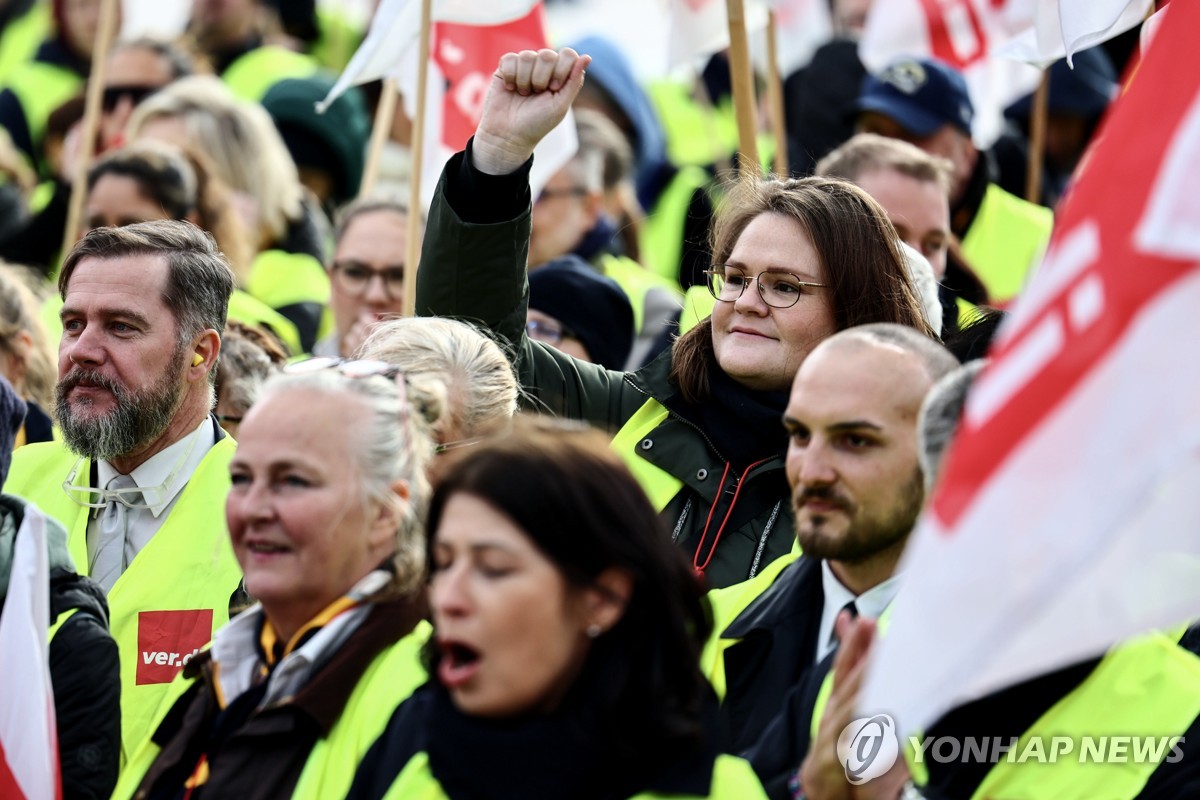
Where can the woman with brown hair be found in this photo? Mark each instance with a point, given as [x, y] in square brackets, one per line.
[564, 658]
[794, 261]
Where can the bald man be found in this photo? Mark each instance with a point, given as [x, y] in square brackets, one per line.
[857, 490]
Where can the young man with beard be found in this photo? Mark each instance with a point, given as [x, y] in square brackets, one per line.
[140, 478]
[856, 493]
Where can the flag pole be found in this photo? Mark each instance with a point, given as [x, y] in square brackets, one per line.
[1037, 139]
[105, 34]
[385, 112]
[743, 90]
[775, 98]
[418, 152]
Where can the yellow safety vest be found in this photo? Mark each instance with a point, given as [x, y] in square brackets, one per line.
[698, 305]
[387, 682]
[281, 279]
[338, 38]
[661, 237]
[732, 778]
[1006, 241]
[392, 677]
[40, 88]
[176, 592]
[658, 484]
[251, 75]
[636, 281]
[1147, 687]
[727, 604]
[22, 37]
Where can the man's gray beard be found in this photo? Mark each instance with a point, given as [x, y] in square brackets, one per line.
[136, 421]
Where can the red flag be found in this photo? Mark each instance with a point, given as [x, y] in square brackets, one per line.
[1067, 516]
[28, 745]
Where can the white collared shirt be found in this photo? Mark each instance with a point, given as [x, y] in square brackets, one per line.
[870, 604]
[183, 458]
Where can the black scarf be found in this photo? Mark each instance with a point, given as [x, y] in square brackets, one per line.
[743, 425]
[550, 756]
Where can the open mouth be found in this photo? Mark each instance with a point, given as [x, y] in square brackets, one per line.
[459, 663]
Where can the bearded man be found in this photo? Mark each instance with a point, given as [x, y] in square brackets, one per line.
[140, 478]
[857, 491]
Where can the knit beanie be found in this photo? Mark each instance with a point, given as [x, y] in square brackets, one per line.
[593, 307]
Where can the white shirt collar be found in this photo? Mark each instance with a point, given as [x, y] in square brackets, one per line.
[870, 604]
[180, 459]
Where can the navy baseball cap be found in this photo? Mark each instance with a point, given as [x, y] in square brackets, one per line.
[920, 94]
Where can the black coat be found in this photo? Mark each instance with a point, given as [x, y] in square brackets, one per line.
[778, 634]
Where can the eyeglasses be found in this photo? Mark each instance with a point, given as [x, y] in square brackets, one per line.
[355, 368]
[353, 278]
[548, 332]
[130, 497]
[112, 95]
[777, 289]
[350, 367]
[445, 447]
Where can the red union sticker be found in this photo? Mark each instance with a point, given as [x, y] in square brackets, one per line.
[167, 640]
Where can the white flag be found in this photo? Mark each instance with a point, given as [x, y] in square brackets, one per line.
[28, 740]
[1065, 27]
[1069, 516]
[699, 28]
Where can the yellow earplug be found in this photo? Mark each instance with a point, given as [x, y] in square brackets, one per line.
[197, 360]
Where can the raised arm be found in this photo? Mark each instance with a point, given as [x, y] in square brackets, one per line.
[477, 239]
[530, 94]
[473, 261]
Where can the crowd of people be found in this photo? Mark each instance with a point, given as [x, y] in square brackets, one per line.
[617, 513]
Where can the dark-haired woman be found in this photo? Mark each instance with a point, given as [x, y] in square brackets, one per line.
[700, 425]
[566, 634]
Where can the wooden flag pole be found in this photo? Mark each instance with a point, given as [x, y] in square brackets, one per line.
[775, 97]
[1037, 139]
[385, 112]
[743, 90]
[418, 152]
[105, 34]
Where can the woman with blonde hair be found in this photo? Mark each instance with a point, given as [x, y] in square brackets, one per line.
[325, 518]
[480, 385]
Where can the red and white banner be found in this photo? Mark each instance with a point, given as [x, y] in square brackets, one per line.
[28, 739]
[468, 39]
[1068, 515]
[965, 34]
